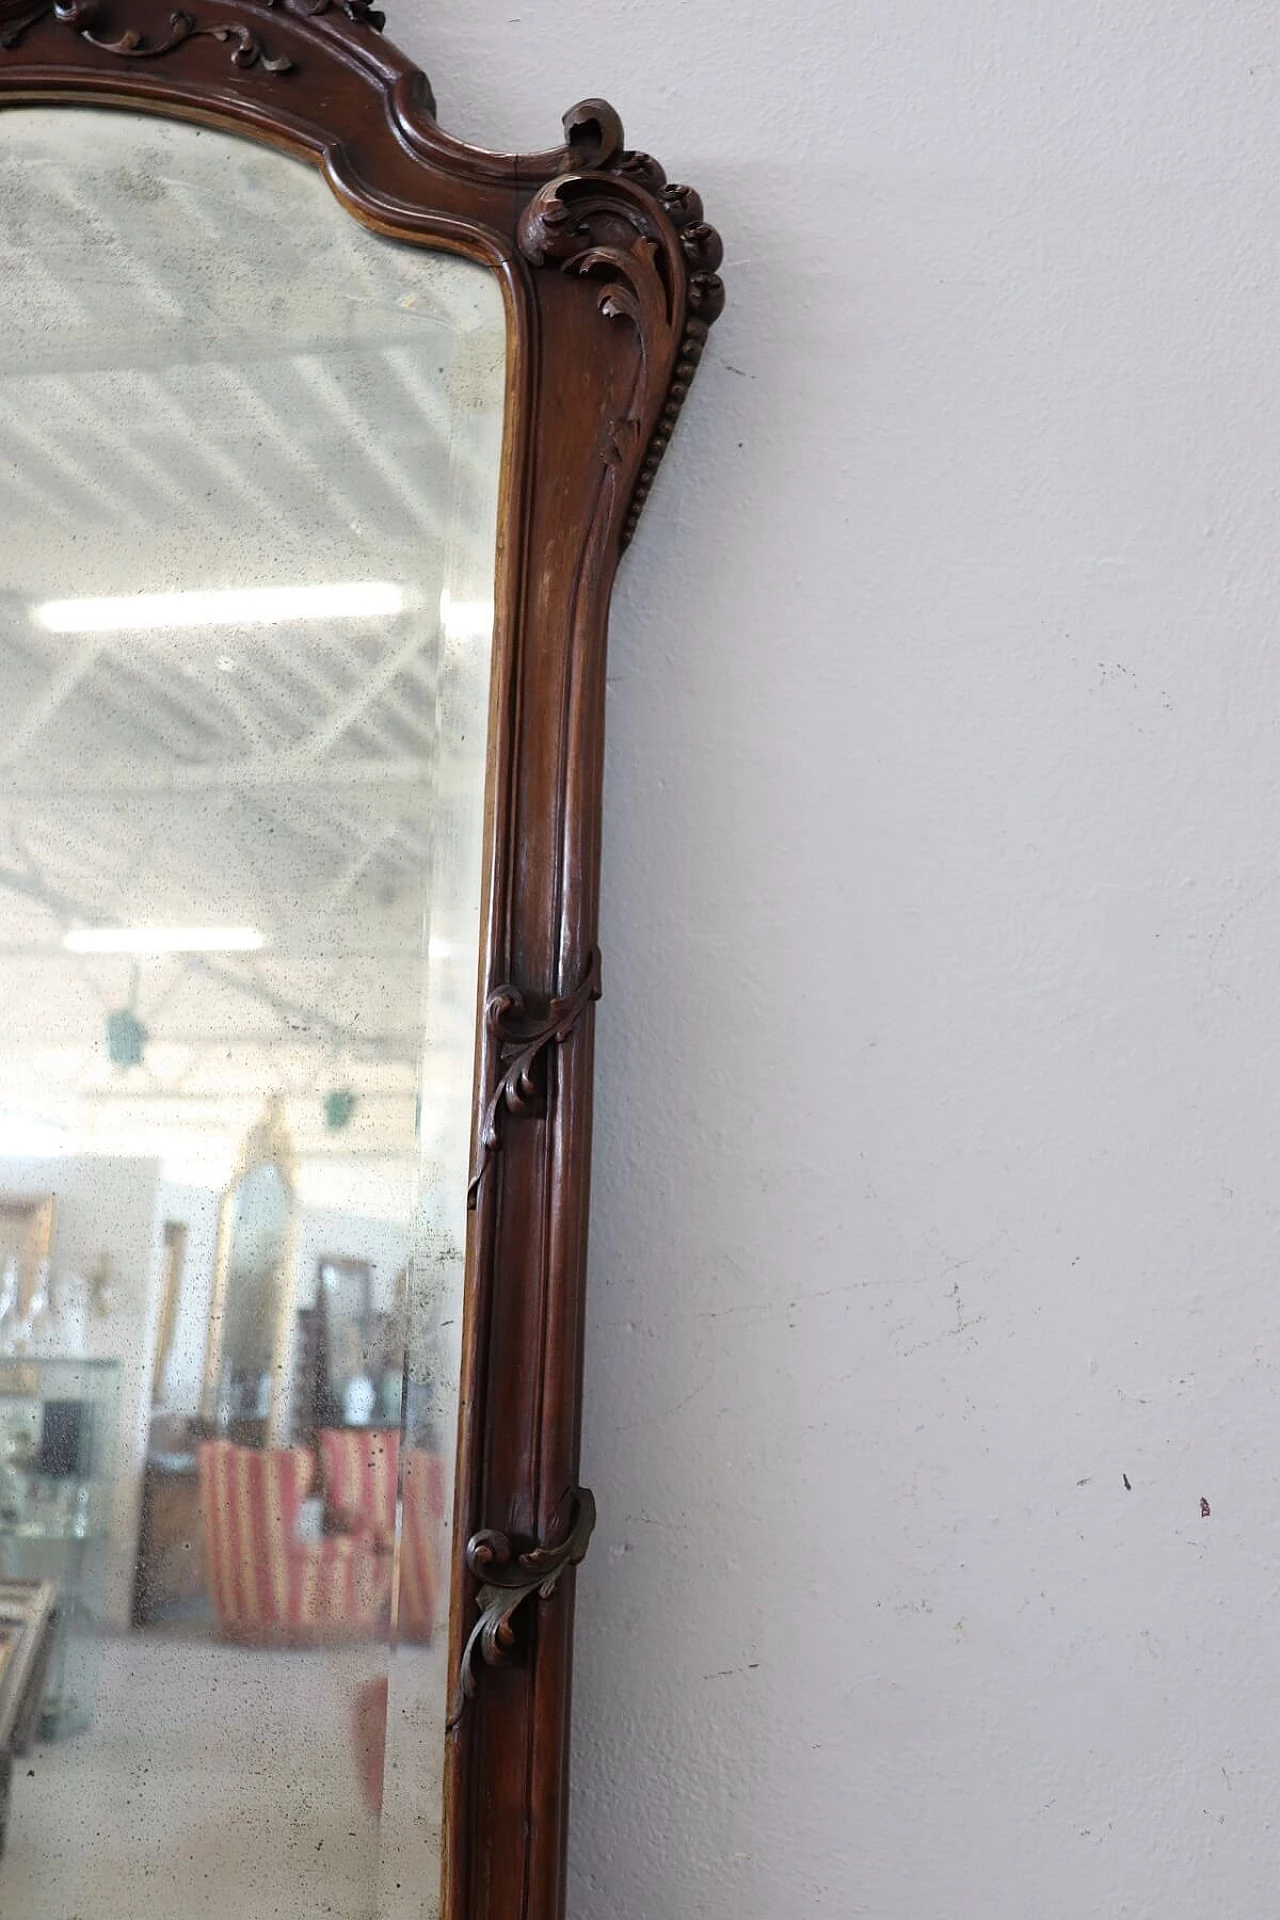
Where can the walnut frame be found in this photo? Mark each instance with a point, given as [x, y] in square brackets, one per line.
[610, 283]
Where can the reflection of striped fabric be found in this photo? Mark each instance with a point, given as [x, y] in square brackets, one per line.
[360, 1474]
[264, 1581]
[360, 1471]
[420, 1551]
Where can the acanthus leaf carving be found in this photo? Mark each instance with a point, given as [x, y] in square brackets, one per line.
[522, 1038]
[509, 1579]
[575, 222]
[593, 135]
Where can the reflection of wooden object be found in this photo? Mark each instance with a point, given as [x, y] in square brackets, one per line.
[361, 1482]
[175, 1260]
[26, 1631]
[267, 1585]
[609, 275]
[26, 1236]
[267, 1145]
[170, 1541]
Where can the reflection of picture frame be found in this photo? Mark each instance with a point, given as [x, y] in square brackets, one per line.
[26, 1235]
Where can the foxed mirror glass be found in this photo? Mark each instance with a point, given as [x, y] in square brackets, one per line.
[249, 479]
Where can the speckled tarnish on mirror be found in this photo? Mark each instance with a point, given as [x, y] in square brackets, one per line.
[249, 462]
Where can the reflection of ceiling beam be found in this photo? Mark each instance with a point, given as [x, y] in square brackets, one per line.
[44, 453]
[402, 952]
[45, 499]
[436, 400]
[349, 879]
[380, 681]
[236, 474]
[80, 194]
[319, 376]
[382, 1049]
[183, 346]
[170, 776]
[44, 707]
[382, 1046]
[299, 1017]
[97, 430]
[175, 1097]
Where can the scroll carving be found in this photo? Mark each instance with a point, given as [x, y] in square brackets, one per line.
[620, 237]
[85, 17]
[508, 1580]
[247, 49]
[361, 13]
[523, 1037]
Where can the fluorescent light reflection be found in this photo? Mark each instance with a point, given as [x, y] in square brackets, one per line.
[164, 940]
[230, 607]
[465, 619]
[23, 1134]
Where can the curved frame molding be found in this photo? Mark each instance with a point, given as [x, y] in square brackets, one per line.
[610, 281]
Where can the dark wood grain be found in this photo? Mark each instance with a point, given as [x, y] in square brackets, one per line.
[170, 1561]
[610, 280]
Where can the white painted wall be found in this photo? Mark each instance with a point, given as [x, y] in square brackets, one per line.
[936, 1178]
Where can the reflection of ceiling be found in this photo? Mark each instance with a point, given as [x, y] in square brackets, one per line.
[216, 378]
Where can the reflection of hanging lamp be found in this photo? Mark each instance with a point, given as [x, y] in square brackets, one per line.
[339, 1107]
[126, 1038]
[126, 1035]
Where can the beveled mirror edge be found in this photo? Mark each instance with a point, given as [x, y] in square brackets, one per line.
[610, 281]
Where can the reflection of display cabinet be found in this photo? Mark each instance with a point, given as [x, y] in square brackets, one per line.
[58, 1422]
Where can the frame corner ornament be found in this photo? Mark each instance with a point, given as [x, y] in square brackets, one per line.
[612, 215]
[508, 1579]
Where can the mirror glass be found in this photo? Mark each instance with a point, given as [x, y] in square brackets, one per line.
[246, 1368]
[249, 471]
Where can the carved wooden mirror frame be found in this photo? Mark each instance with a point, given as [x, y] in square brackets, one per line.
[609, 278]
